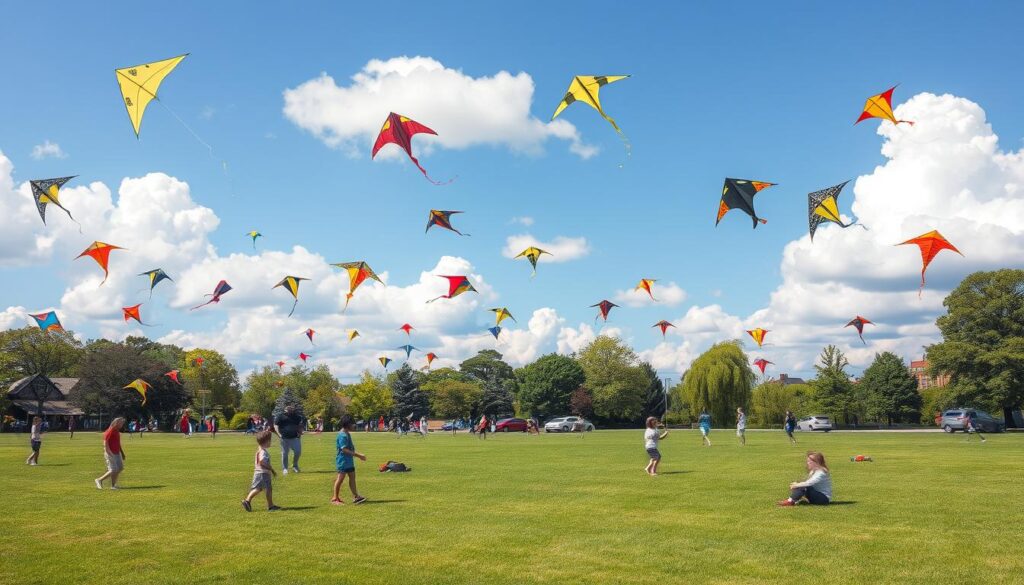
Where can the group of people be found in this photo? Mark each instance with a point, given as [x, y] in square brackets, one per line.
[704, 424]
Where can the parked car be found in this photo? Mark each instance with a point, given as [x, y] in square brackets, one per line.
[814, 423]
[564, 424]
[506, 425]
[954, 420]
[458, 424]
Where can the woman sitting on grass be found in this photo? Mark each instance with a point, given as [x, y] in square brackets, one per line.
[817, 488]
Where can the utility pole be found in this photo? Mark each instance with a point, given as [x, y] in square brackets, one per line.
[668, 383]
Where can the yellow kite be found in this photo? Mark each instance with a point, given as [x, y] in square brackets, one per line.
[291, 284]
[645, 285]
[139, 86]
[758, 335]
[501, 314]
[585, 89]
[533, 255]
[880, 106]
[140, 386]
[352, 335]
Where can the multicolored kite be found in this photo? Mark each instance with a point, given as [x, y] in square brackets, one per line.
[291, 284]
[173, 375]
[46, 191]
[310, 333]
[533, 255]
[880, 106]
[384, 361]
[664, 326]
[441, 218]
[100, 252]
[254, 234]
[408, 350]
[352, 335]
[221, 289]
[139, 86]
[823, 206]
[155, 276]
[456, 286]
[762, 364]
[930, 244]
[739, 194]
[495, 331]
[645, 284]
[400, 130]
[502, 313]
[859, 322]
[603, 308]
[758, 335]
[585, 89]
[358, 272]
[133, 312]
[407, 328]
[430, 359]
[140, 386]
[304, 356]
[48, 321]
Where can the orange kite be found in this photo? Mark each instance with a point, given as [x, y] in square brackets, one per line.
[758, 335]
[880, 106]
[100, 252]
[931, 244]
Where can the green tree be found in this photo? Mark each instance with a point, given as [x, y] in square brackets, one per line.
[719, 380]
[485, 365]
[497, 398]
[262, 387]
[891, 390]
[29, 350]
[655, 398]
[405, 388]
[581, 403]
[323, 401]
[770, 400]
[371, 397]
[614, 378]
[983, 341]
[216, 379]
[452, 398]
[286, 399]
[832, 387]
[546, 384]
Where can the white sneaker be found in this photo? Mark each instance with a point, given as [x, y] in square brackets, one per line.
[99, 485]
[114, 487]
[284, 471]
[295, 469]
[33, 464]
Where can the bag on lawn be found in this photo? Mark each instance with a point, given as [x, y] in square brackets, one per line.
[394, 466]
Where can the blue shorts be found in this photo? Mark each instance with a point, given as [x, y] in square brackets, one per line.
[704, 430]
[345, 465]
[654, 454]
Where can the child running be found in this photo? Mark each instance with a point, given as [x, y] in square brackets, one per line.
[741, 425]
[113, 453]
[790, 426]
[704, 422]
[261, 477]
[345, 463]
[35, 441]
[817, 488]
[969, 427]
[651, 438]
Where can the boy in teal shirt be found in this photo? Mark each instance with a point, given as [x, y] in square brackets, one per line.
[345, 462]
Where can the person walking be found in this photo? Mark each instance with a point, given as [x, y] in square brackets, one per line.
[790, 425]
[651, 437]
[263, 474]
[344, 462]
[35, 441]
[71, 426]
[970, 427]
[289, 427]
[113, 453]
[704, 423]
[741, 426]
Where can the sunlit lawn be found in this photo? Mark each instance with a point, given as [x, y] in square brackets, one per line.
[931, 508]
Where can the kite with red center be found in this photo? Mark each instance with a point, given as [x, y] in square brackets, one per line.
[304, 356]
[280, 364]
[441, 218]
[358, 272]
[430, 359]
[133, 312]
[173, 375]
[762, 363]
[100, 252]
[603, 308]
[859, 322]
[880, 106]
[758, 335]
[310, 333]
[140, 386]
[456, 286]
[664, 326]
[400, 130]
[222, 288]
[645, 285]
[407, 328]
[930, 244]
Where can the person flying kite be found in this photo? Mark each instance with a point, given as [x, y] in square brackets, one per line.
[859, 322]
[586, 89]
[408, 349]
[139, 86]
[358, 272]
[442, 219]
[309, 333]
[603, 308]
[880, 106]
[155, 276]
[48, 321]
[407, 328]
[291, 284]
[502, 313]
[47, 192]
[645, 285]
[824, 206]
[100, 252]
[930, 244]
[762, 363]
[664, 325]
[218, 291]
[533, 255]
[739, 194]
[400, 130]
[254, 234]
[140, 386]
[456, 286]
[384, 361]
[173, 375]
[758, 335]
[133, 312]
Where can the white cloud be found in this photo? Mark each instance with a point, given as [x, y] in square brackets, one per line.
[48, 150]
[522, 220]
[669, 294]
[207, 113]
[560, 249]
[465, 111]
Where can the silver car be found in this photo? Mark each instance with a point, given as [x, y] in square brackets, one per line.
[565, 424]
[955, 420]
[814, 423]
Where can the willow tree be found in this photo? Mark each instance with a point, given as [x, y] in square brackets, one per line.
[720, 380]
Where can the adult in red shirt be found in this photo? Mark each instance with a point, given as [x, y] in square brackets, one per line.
[185, 425]
[113, 453]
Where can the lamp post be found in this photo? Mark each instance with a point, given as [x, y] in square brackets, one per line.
[668, 383]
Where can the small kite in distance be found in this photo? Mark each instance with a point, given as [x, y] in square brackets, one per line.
[140, 386]
[134, 312]
[664, 325]
[762, 364]
[47, 192]
[442, 219]
[645, 285]
[603, 308]
[533, 254]
[859, 322]
[758, 335]
[291, 284]
[221, 289]
[880, 106]
[456, 286]
[400, 130]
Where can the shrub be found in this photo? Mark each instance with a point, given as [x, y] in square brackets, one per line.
[238, 422]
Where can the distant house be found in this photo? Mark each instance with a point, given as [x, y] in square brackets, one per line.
[27, 393]
[919, 370]
[787, 380]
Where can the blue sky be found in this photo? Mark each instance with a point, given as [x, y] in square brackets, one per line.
[747, 90]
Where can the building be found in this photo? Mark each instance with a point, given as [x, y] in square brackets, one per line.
[919, 370]
[26, 394]
[787, 380]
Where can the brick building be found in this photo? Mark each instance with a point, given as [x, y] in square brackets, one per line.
[919, 370]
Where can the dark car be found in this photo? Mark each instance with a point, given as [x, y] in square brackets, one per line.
[506, 425]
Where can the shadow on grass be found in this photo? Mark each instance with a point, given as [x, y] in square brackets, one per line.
[842, 503]
[296, 508]
[54, 464]
[672, 472]
[370, 502]
[141, 487]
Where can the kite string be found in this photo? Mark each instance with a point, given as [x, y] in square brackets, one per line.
[223, 163]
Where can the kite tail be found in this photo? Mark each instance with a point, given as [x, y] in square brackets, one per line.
[626, 144]
[424, 171]
[348, 297]
[761, 221]
[904, 121]
[204, 304]
[293, 310]
[862, 339]
[440, 297]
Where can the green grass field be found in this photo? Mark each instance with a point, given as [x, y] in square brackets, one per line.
[519, 509]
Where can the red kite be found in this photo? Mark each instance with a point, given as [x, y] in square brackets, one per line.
[407, 328]
[173, 374]
[645, 284]
[199, 361]
[880, 106]
[133, 312]
[441, 219]
[603, 308]
[930, 244]
[758, 335]
[280, 364]
[304, 356]
[456, 286]
[430, 358]
[400, 130]
[140, 386]
[762, 364]
[222, 288]
[310, 333]
[664, 326]
[100, 252]
[859, 322]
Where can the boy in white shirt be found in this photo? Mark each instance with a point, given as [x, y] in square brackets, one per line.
[741, 425]
[651, 438]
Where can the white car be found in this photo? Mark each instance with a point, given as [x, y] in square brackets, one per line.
[814, 423]
[565, 424]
